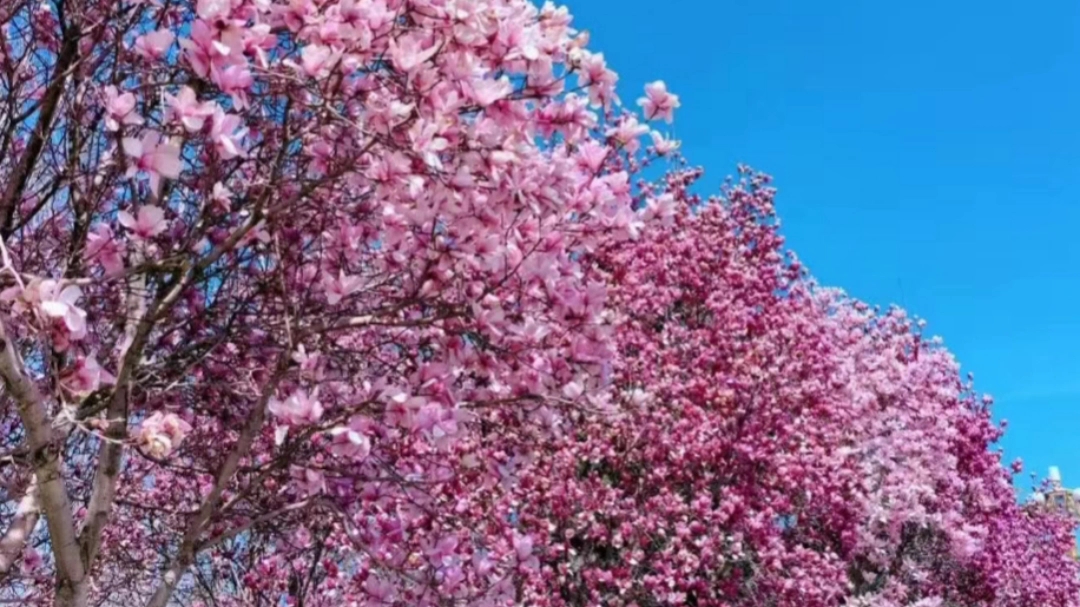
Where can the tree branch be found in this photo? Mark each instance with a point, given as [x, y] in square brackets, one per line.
[22, 526]
[45, 458]
[188, 546]
[51, 100]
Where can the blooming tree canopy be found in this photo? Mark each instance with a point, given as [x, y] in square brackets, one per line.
[268, 267]
[374, 302]
[777, 444]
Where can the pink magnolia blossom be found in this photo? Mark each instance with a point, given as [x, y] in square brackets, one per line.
[155, 157]
[658, 102]
[86, 375]
[410, 52]
[186, 108]
[120, 109]
[349, 443]
[226, 131]
[298, 409]
[146, 224]
[57, 301]
[162, 433]
[155, 45]
[103, 247]
[549, 371]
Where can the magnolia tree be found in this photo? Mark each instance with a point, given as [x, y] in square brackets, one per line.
[369, 302]
[778, 444]
[277, 272]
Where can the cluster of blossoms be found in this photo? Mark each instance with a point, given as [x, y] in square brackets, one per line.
[390, 302]
[777, 443]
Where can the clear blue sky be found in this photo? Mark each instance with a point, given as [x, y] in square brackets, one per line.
[927, 154]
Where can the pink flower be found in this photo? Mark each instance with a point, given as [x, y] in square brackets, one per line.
[86, 375]
[59, 303]
[119, 109]
[341, 287]
[235, 80]
[407, 53]
[627, 133]
[346, 442]
[102, 247]
[486, 91]
[663, 145]
[31, 559]
[212, 10]
[226, 132]
[161, 433]
[310, 482]
[155, 45]
[203, 49]
[186, 108]
[298, 409]
[316, 60]
[658, 102]
[154, 156]
[429, 142]
[147, 224]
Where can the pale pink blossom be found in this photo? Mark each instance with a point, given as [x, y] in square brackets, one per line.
[86, 375]
[350, 443]
[103, 247]
[340, 287]
[408, 52]
[162, 433]
[486, 91]
[154, 156]
[148, 223]
[298, 409]
[120, 109]
[658, 102]
[155, 45]
[226, 131]
[57, 301]
[186, 108]
[212, 10]
[663, 145]
[234, 80]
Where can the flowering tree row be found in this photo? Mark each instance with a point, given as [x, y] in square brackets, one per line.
[390, 302]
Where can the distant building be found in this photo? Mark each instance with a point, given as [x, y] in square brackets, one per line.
[1059, 499]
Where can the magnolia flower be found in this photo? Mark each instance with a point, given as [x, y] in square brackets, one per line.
[226, 132]
[186, 108]
[204, 49]
[102, 246]
[662, 144]
[341, 287]
[86, 375]
[155, 45]
[310, 482]
[213, 9]
[32, 559]
[59, 303]
[148, 223]
[627, 133]
[235, 80]
[298, 409]
[407, 54]
[486, 91]
[119, 109]
[155, 156]
[316, 60]
[161, 433]
[658, 102]
[346, 442]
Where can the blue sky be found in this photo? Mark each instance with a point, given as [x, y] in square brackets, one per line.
[927, 154]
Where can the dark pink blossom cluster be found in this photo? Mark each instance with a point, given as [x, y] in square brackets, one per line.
[393, 302]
